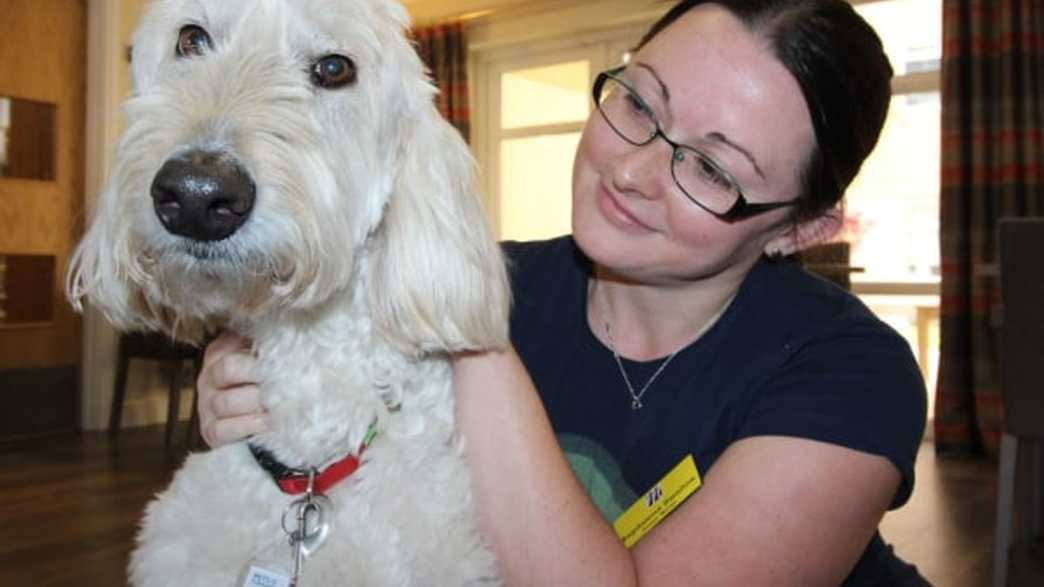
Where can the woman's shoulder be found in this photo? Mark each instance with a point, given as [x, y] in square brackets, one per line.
[786, 319]
[523, 255]
[832, 370]
[547, 288]
[533, 265]
[800, 303]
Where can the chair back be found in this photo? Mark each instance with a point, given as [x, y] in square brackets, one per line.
[1022, 331]
[830, 261]
[156, 345]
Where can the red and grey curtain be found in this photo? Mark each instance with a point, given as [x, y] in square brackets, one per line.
[992, 167]
[444, 49]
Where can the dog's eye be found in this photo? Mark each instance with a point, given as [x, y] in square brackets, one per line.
[193, 41]
[333, 71]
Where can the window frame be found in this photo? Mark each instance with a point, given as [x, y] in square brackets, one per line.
[598, 47]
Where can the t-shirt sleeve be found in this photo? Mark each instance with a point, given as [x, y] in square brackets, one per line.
[860, 388]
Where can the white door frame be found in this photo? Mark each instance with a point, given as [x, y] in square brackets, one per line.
[106, 62]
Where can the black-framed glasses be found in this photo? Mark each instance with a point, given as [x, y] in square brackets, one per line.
[696, 173]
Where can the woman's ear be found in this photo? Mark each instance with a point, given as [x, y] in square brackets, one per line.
[807, 233]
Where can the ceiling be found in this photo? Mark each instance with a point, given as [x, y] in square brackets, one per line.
[429, 10]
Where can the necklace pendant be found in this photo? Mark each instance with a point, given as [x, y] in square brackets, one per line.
[636, 404]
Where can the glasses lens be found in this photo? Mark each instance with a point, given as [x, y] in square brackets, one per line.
[703, 180]
[626, 112]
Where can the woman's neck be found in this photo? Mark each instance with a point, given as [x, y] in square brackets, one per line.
[644, 321]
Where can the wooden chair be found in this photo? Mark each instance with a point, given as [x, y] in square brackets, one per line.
[830, 261]
[157, 347]
[1021, 368]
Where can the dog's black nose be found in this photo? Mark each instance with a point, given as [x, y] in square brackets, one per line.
[205, 196]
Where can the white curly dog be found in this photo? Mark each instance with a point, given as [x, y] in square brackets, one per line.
[285, 174]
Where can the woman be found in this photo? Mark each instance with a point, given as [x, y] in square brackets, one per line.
[671, 325]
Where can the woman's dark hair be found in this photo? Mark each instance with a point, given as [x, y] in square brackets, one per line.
[844, 75]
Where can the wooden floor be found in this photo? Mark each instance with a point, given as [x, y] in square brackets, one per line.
[69, 505]
[69, 508]
[947, 527]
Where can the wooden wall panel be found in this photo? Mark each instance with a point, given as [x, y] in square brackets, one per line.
[43, 52]
[31, 136]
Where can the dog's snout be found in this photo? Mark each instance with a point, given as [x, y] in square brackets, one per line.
[201, 195]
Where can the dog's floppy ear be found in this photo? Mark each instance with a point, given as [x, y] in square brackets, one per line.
[95, 273]
[437, 277]
[106, 271]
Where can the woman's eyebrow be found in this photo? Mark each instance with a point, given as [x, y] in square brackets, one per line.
[721, 138]
[663, 87]
[716, 136]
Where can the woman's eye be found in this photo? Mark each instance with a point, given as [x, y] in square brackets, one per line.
[712, 173]
[193, 41]
[637, 105]
[333, 71]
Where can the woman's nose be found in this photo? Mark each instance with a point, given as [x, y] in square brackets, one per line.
[645, 170]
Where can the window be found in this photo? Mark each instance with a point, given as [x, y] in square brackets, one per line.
[541, 112]
[537, 101]
[892, 208]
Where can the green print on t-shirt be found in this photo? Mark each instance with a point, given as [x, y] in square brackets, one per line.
[599, 475]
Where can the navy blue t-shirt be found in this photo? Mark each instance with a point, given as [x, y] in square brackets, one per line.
[792, 355]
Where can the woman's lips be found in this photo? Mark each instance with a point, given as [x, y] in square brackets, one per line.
[617, 214]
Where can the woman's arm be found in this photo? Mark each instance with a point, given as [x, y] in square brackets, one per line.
[543, 528]
[772, 510]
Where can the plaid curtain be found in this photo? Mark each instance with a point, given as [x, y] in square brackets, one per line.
[444, 48]
[992, 167]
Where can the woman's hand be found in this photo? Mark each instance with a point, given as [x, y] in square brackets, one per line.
[229, 398]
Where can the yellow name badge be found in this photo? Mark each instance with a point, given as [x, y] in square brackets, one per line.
[658, 502]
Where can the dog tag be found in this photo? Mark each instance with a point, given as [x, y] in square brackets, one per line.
[310, 527]
[261, 576]
[310, 522]
[269, 567]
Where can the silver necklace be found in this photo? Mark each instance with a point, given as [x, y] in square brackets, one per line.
[636, 398]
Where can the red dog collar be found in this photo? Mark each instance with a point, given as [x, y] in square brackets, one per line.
[294, 481]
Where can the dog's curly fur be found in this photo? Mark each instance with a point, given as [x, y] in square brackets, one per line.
[365, 261]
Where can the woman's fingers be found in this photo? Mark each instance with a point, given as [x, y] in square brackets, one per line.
[232, 369]
[224, 344]
[232, 414]
[212, 378]
[229, 399]
[217, 432]
[237, 401]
